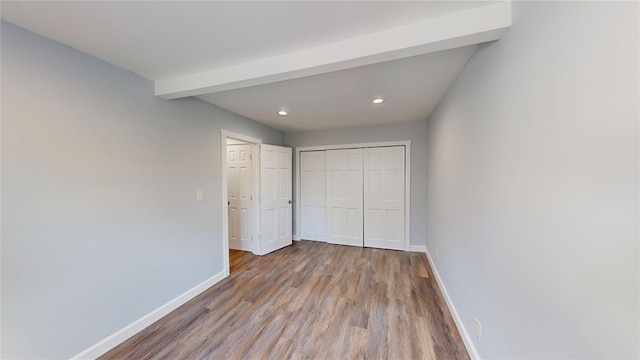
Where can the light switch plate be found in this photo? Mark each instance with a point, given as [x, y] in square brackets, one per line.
[478, 330]
[200, 195]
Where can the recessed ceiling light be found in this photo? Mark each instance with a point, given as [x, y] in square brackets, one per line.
[282, 113]
[378, 100]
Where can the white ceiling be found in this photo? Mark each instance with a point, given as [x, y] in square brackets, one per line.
[411, 86]
[322, 60]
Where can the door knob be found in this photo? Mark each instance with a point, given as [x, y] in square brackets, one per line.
[289, 201]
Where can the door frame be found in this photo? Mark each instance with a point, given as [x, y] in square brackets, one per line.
[255, 226]
[407, 181]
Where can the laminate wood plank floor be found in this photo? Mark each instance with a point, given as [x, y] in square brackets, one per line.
[310, 300]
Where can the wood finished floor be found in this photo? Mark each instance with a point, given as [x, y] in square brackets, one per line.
[309, 300]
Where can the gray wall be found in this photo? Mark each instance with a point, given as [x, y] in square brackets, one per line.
[100, 224]
[532, 185]
[415, 131]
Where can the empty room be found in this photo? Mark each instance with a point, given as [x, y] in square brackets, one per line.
[320, 180]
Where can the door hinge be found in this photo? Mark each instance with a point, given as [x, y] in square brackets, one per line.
[251, 197]
[250, 157]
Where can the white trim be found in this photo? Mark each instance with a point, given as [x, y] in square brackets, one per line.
[354, 146]
[135, 327]
[224, 134]
[296, 237]
[418, 248]
[407, 195]
[314, 240]
[407, 181]
[466, 338]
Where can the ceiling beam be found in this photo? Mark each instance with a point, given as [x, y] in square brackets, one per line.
[468, 27]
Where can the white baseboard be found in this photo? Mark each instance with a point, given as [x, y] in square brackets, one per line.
[125, 333]
[418, 248]
[466, 338]
[322, 241]
[296, 238]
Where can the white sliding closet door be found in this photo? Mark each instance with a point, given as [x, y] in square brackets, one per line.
[313, 191]
[344, 197]
[384, 210]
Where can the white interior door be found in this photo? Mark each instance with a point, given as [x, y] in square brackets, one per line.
[313, 191]
[240, 196]
[344, 197]
[275, 192]
[384, 215]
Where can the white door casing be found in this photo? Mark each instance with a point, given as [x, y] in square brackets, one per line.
[276, 198]
[313, 199]
[344, 197]
[240, 196]
[384, 194]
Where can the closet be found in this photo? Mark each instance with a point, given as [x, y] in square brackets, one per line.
[354, 196]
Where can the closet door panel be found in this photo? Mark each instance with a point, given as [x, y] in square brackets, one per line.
[384, 201]
[313, 190]
[344, 197]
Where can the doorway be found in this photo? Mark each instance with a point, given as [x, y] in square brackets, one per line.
[240, 189]
[257, 196]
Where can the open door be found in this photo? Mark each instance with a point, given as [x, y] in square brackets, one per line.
[240, 196]
[276, 195]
